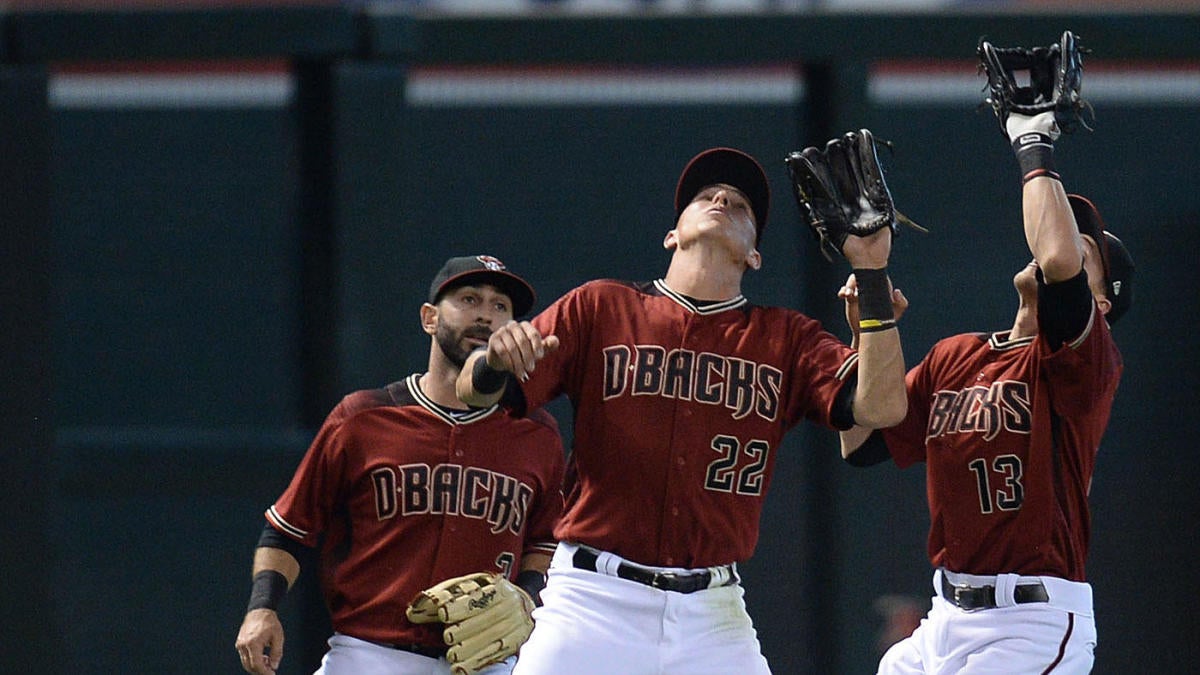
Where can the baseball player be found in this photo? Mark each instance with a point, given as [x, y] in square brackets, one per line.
[404, 487]
[682, 391]
[1008, 425]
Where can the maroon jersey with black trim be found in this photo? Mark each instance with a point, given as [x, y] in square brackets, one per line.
[1009, 431]
[679, 411]
[400, 494]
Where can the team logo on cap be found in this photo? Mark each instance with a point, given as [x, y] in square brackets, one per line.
[491, 263]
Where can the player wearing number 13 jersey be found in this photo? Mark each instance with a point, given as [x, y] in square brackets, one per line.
[1008, 425]
[682, 391]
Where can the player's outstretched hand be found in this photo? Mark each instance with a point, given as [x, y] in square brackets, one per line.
[848, 293]
[260, 642]
[517, 346]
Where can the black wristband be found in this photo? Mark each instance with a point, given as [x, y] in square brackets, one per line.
[486, 379]
[874, 300]
[532, 582]
[1035, 155]
[267, 590]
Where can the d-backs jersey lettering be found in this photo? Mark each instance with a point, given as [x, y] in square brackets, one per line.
[679, 411]
[1009, 431]
[401, 494]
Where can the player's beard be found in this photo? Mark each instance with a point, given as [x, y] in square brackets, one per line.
[453, 342]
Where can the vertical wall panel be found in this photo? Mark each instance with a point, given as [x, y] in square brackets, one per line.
[176, 345]
[26, 406]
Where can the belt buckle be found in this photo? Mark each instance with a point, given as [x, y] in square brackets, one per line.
[663, 581]
[959, 589]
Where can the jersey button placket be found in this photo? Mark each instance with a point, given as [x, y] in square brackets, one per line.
[677, 488]
[455, 450]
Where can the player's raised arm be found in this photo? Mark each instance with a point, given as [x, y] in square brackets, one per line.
[1050, 228]
[852, 439]
[845, 201]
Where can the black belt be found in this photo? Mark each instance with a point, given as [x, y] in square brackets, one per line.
[679, 582]
[984, 597]
[419, 650]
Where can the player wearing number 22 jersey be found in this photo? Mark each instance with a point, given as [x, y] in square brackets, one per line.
[682, 391]
[679, 411]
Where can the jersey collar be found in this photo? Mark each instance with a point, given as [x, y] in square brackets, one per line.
[1000, 341]
[452, 417]
[691, 306]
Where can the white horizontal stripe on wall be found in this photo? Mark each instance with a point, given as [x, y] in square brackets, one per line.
[157, 90]
[542, 88]
[510, 88]
[1157, 87]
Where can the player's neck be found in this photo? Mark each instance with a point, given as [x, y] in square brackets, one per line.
[1025, 323]
[703, 277]
[438, 384]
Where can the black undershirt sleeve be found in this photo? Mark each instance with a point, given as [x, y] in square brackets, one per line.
[842, 415]
[273, 538]
[873, 451]
[1064, 308]
[532, 582]
[513, 398]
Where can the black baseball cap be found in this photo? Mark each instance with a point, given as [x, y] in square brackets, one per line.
[483, 269]
[1118, 264]
[731, 167]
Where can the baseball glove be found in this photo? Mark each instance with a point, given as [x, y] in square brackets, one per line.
[487, 618]
[841, 190]
[1055, 76]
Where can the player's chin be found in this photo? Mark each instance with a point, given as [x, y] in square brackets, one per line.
[1025, 281]
[1029, 270]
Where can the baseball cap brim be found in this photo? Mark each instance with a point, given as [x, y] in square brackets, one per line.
[1114, 256]
[731, 167]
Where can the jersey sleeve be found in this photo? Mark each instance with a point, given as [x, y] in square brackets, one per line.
[823, 367]
[1084, 372]
[547, 508]
[568, 319]
[302, 512]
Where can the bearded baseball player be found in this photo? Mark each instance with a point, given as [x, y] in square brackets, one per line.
[423, 511]
[682, 391]
[1009, 423]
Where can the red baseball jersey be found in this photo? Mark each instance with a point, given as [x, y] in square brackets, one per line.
[1009, 431]
[679, 411]
[401, 494]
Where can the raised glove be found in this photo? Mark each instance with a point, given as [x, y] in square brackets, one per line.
[841, 190]
[1055, 76]
[487, 618]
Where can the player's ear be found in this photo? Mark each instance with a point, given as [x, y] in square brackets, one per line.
[429, 317]
[671, 240]
[754, 259]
